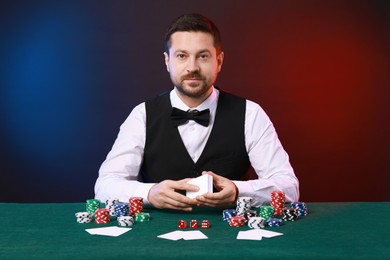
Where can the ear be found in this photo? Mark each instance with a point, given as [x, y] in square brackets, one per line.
[220, 58]
[166, 58]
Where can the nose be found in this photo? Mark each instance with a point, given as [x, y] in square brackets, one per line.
[192, 65]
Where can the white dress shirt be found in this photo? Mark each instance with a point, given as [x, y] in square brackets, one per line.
[118, 173]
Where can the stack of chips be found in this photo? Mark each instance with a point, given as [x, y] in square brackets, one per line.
[243, 204]
[290, 214]
[142, 217]
[300, 208]
[274, 222]
[266, 212]
[228, 213]
[250, 214]
[256, 222]
[92, 205]
[136, 205]
[237, 221]
[121, 209]
[102, 216]
[83, 217]
[110, 206]
[278, 199]
[125, 221]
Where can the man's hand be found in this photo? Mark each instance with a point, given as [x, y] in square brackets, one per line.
[164, 195]
[226, 195]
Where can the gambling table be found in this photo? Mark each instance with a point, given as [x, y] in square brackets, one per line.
[330, 230]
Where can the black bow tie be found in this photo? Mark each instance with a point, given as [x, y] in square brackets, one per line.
[180, 117]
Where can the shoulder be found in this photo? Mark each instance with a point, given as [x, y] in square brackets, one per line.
[251, 106]
[163, 97]
[229, 96]
[256, 116]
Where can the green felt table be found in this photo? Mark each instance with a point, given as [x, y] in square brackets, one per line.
[331, 230]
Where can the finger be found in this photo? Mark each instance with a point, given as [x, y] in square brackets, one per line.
[217, 179]
[185, 180]
[182, 185]
[180, 199]
[209, 203]
[174, 200]
[181, 202]
[216, 199]
[214, 196]
[210, 173]
[207, 200]
[173, 204]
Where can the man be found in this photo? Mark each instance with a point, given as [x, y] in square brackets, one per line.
[157, 151]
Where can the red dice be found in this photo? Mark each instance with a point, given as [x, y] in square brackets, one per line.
[205, 224]
[182, 224]
[194, 224]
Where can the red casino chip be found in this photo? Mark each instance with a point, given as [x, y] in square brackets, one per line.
[237, 221]
[136, 205]
[278, 199]
[102, 216]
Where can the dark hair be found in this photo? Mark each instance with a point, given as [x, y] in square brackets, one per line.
[193, 23]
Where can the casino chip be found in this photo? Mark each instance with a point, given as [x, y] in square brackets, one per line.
[83, 217]
[243, 204]
[237, 221]
[125, 221]
[121, 209]
[290, 214]
[110, 205]
[142, 217]
[300, 208]
[278, 199]
[228, 213]
[274, 222]
[92, 205]
[136, 205]
[256, 222]
[102, 216]
[266, 212]
[250, 214]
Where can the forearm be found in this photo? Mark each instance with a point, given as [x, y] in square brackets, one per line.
[122, 189]
[260, 189]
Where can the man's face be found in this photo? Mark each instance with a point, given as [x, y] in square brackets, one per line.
[193, 63]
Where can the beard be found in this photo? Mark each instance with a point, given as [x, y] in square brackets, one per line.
[193, 89]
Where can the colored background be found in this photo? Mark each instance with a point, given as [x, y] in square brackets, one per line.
[71, 71]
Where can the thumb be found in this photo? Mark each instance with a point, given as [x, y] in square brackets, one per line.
[216, 177]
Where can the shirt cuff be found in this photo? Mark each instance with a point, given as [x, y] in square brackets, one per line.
[143, 191]
[245, 189]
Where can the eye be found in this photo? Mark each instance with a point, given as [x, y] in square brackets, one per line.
[181, 56]
[204, 56]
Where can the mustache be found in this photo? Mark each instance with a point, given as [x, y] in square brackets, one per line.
[192, 75]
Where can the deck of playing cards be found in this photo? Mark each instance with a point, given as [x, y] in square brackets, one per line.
[205, 184]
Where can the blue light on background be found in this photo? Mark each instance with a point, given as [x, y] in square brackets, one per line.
[43, 100]
[51, 126]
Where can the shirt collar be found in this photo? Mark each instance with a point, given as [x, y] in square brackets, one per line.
[209, 103]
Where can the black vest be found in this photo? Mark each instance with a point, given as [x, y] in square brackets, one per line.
[165, 156]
